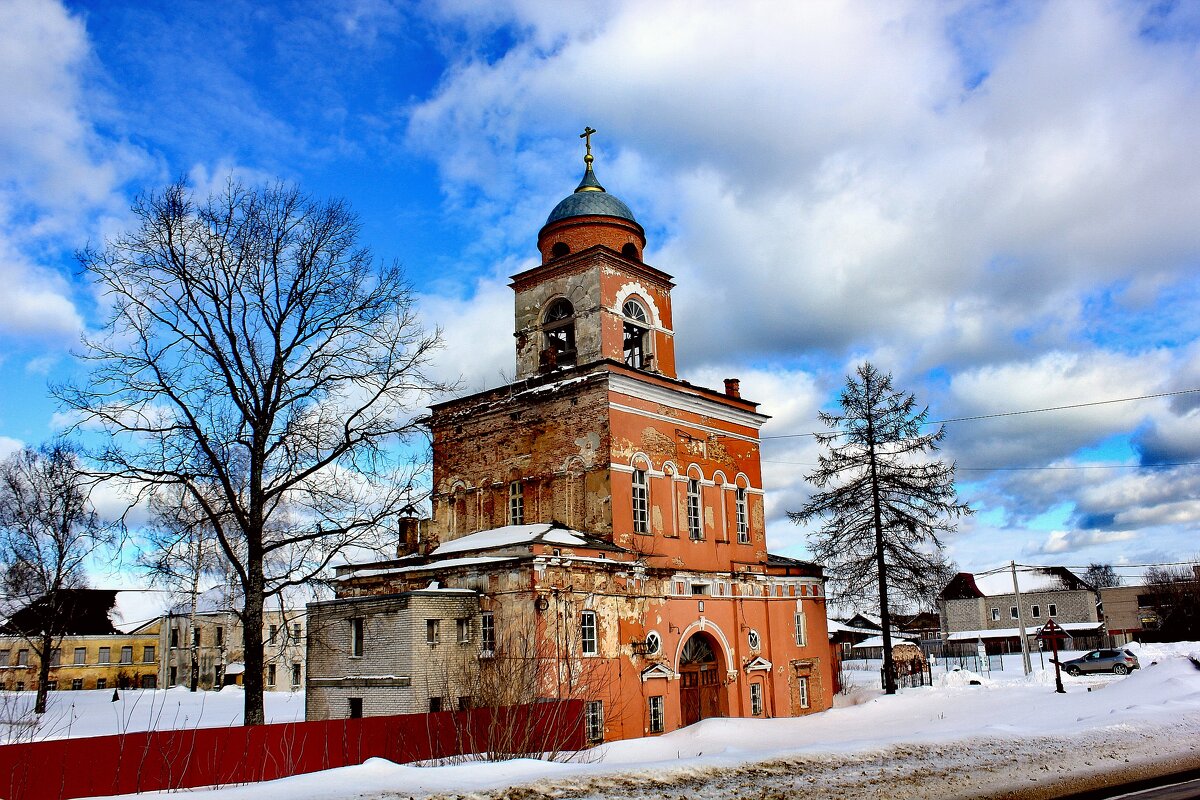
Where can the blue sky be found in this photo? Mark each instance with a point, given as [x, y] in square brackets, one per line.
[996, 202]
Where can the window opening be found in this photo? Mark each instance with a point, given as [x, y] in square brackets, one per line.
[516, 504]
[693, 509]
[753, 639]
[743, 523]
[756, 699]
[487, 633]
[433, 633]
[356, 636]
[463, 629]
[801, 634]
[802, 684]
[1052, 609]
[641, 502]
[558, 326]
[594, 714]
[656, 709]
[637, 329]
[587, 633]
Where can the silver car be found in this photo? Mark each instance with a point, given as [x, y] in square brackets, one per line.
[1121, 662]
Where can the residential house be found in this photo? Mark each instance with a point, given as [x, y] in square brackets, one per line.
[985, 608]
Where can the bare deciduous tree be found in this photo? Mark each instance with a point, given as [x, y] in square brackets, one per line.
[48, 528]
[882, 505]
[257, 357]
[1101, 576]
[1174, 595]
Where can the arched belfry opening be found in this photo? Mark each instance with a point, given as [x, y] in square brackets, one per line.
[558, 330]
[700, 695]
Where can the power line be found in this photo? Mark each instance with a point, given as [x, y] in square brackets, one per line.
[1163, 465]
[999, 414]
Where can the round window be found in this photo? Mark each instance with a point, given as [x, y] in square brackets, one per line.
[653, 643]
[752, 638]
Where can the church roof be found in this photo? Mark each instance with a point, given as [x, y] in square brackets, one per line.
[590, 200]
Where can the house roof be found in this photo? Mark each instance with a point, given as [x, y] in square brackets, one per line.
[1000, 583]
[91, 612]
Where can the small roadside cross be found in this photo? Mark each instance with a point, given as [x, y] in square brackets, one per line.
[1054, 632]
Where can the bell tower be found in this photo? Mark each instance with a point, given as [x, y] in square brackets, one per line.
[592, 298]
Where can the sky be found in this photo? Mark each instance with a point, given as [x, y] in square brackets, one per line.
[995, 202]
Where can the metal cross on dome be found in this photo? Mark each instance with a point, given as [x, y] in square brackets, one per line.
[587, 141]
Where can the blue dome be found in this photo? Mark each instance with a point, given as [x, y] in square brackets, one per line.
[584, 204]
[590, 199]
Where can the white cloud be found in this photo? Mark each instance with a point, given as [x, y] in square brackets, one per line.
[62, 178]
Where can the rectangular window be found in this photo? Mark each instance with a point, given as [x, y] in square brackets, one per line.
[174, 637]
[220, 636]
[1012, 612]
[695, 528]
[20, 686]
[433, 631]
[148, 654]
[1052, 609]
[271, 674]
[174, 678]
[756, 699]
[699, 588]
[56, 657]
[105, 656]
[272, 632]
[743, 522]
[295, 674]
[641, 502]
[801, 632]
[5, 656]
[356, 709]
[1035, 612]
[516, 504]
[464, 703]
[296, 632]
[594, 720]
[463, 629]
[76, 684]
[435, 705]
[195, 637]
[487, 633]
[127, 654]
[356, 637]
[80, 655]
[802, 685]
[655, 707]
[587, 633]
[995, 615]
[51, 686]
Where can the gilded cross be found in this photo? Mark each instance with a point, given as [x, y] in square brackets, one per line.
[587, 139]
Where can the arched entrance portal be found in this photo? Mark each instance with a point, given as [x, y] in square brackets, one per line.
[699, 679]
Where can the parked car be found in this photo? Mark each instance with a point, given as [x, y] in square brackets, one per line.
[1120, 662]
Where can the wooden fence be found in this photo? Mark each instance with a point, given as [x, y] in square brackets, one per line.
[158, 760]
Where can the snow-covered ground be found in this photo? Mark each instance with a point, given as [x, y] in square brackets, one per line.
[94, 713]
[1010, 736]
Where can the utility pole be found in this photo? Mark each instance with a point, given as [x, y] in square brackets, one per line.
[1020, 619]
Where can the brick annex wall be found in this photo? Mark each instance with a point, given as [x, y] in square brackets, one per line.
[398, 671]
[1078, 605]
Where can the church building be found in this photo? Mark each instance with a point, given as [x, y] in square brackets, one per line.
[597, 527]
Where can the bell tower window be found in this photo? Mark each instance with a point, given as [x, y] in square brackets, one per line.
[637, 335]
[558, 326]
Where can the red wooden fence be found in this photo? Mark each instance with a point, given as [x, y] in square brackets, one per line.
[157, 760]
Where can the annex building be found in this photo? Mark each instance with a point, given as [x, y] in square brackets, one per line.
[597, 527]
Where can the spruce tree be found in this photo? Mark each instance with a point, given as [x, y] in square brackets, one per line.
[883, 503]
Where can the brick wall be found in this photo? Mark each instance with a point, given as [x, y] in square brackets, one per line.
[398, 670]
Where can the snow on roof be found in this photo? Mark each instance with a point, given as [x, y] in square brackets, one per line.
[133, 608]
[1012, 633]
[1029, 580]
[877, 641]
[448, 563]
[511, 535]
